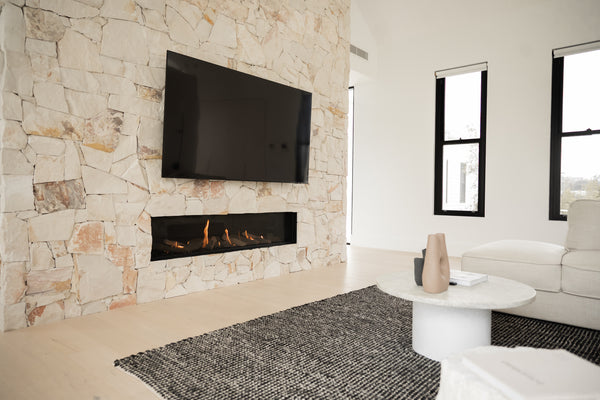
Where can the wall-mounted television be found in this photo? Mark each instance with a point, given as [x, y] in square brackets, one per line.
[227, 125]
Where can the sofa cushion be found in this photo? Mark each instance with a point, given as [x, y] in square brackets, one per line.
[537, 264]
[584, 225]
[581, 273]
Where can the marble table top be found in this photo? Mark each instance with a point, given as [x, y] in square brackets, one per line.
[496, 293]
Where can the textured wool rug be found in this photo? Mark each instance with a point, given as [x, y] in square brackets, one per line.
[352, 346]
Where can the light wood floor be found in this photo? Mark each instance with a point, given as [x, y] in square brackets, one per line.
[73, 359]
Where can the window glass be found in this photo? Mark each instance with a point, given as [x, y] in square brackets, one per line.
[580, 169]
[461, 173]
[581, 92]
[462, 112]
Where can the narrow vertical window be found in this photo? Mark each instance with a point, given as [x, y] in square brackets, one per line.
[575, 127]
[461, 95]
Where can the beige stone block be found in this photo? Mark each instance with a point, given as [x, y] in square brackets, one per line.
[72, 307]
[12, 28]
[136, 194]
[110, 235]
[41, 256]
[89, 28]
[166, 204]
[134, 105]
[100, 208]
[134, 173]
[44, 68]
[98, 159]
[194, 207]
[43, 25]
[143, 249]
[99, 182]
[121, 9]
[158, 5]
[272, 204]
[98, 278]
[54, 226]
[18, 75]
[150, 285]
[150, 138]
[128, 213]
[49, 169]
[13, 317]
[55, 280]
[12, 280]
[94, 307]
[179, 29]
[155, 20]
[153, 77]
[156, 183]
[72, 161]
[14, 162]
[126, 235]
[64, 261]
[12, 136]
[47, 146]
[88, 238]
[306, 234]
[243, 201]
[224, 32]
[78, 52]
[251, 50]
[43, 122]
[11, 107]
[133, 49]
[69, 8]
[127, 147]
[17, 193]
[56, 196]
[46, 314]
[82, 81]
[85, 105]
[50, 95]
[272, 270]
[103, 131]
[116, 85]
[15, 244]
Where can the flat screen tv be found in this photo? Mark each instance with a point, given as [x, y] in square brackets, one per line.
[227, 125]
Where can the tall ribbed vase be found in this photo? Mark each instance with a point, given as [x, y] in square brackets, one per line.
[436, 268]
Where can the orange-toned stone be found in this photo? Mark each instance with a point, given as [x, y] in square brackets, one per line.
[88, 238]
[149, 93]
[128, 300]
[217, 189]
[121, 256]
[337, 112]
[129, 280]
[144, 222]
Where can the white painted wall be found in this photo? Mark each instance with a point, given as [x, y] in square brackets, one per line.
[395, 112]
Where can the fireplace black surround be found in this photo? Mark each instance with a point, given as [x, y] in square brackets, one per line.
[192, 235]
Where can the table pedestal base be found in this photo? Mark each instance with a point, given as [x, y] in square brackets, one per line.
[440, 331]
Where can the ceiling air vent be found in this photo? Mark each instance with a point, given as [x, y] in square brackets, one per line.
[359, 52]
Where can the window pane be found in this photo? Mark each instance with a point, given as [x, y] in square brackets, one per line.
[460, 185]
[462, 106]
[580, 170]
[581, 92]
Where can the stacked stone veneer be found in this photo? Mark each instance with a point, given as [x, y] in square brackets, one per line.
[81, 133]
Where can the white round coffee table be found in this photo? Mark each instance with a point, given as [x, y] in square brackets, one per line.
[457, 319]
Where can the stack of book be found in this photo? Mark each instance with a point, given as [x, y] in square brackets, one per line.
[464, 278]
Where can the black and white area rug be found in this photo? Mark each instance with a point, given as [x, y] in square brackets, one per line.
[352, 346]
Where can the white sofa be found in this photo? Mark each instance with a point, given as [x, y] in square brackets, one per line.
[566, 279]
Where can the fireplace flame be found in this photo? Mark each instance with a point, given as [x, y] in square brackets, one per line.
[246, 235]
[227, 236]
[205, 240]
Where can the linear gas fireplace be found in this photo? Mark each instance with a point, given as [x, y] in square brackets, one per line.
[192, 235]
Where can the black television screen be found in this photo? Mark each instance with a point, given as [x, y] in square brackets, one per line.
[224, 124]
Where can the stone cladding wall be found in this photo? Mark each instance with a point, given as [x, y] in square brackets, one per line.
[81, 106]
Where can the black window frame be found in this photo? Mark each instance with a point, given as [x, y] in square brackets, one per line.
[440, 142]
[556, 136]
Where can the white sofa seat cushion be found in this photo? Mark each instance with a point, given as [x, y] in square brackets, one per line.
[581, 273]
[584, 225]
[536, 264]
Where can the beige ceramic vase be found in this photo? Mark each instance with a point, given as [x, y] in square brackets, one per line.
[436, 269]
